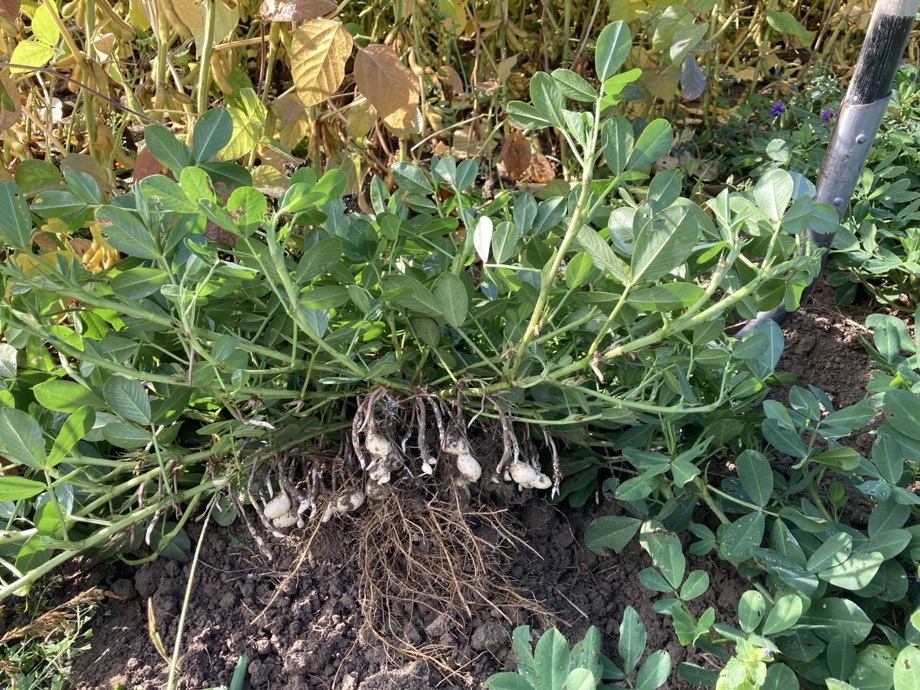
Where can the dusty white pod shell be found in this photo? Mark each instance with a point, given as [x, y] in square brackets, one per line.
[523, 474]
[541, 482]
[375, 491]
[285, 520]
[469, 467]
[380, 473]
[350, 502]
[454, 443]
[278, 506]
[377, 445]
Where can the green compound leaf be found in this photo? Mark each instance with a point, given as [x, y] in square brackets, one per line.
[126, 233]
[551, 660]
[751, 609]
[654, 143]
[211, 134]
[907, 669]
[451, 298]
[654, 672]
[19, 488]
[21, 439]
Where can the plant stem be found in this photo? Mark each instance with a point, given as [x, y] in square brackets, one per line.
[204, 60]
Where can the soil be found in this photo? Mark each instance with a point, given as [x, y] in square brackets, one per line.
[311, 637]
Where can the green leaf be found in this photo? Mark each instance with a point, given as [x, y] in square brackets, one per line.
[166, 195]
[612, 532]
[526, 116]
[841, 656]
[617, 144]
[613, 46]
[664, 244]
[21, 439]
[830, 617]
[889, 543]
[907, 669]
[33, 174]
[547, 99]
[551, 660]
[126, 233]
[666, 297]
[786, 23]
[128, 399]
[411, 179]
[742, 537]
[785, 613]
[452, 298]
[18, 488]
[65, 396]
[164, 146]
[773, 192]
[780, 677]
[577, 269]
[586, 654]
[832, 552]
[15, 219]
[696, 585]
[654, 672]
[137, 283]
[211, 134]
[580, 679]
[589, 241]
[633, 639]
[651, 578]
[854, 573]
[756, 476]
[654, 143]
[8, 363]
[888, 457]
[126, 435]
[83, 185]
[903, 409]
[318, 259]
[573, 86]
[508, 681]
[697, 675]
[751, 608]
[75, 427]
[409, 293]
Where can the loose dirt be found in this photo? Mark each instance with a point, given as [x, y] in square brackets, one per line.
[312, 636]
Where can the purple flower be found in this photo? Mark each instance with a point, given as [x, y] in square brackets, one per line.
[777, 109]
[828, 114]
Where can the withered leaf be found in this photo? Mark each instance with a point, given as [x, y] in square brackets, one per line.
[9, 10]
[295, 10]
[319, 52]
[10, 103]
[516, 155]
[390, 86]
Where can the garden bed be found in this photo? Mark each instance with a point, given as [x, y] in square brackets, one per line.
[309, 637]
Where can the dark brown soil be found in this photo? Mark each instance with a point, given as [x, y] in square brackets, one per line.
[309, 638]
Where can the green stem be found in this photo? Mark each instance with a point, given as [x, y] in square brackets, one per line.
[204, 60]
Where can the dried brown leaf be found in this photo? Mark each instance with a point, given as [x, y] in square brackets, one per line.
[184, 15]
[505, 67]
[319, 52]
[9, 10]
[389, 85]
[146, 165]
[541, 171]
[516, 155]
[10, 97]
[295, 10]
[454, 79]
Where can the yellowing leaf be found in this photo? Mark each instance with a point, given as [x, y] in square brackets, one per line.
[292, 120]
[31, 53]
[295, 10]
[244, 135]
[225, 20]
[389, 85]
[361, 117]
[184, 15]
[10, 103]
[43, 27]
[319, 52]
